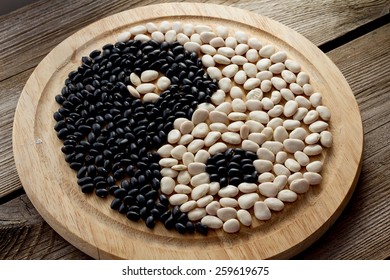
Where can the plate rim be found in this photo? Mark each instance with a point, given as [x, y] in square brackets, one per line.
[26, 100]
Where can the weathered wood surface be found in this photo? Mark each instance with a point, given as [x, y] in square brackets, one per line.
[29, 33]
[362, 231]
[25, 235]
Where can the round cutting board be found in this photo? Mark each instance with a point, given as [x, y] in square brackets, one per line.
[87, 221]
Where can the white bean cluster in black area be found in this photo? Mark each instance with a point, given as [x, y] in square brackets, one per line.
[109, 137]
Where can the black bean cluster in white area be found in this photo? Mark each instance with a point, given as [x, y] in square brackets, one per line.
[110, 137]
[232, 167]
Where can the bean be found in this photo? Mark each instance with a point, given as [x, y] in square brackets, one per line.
[326, 139]
[206, 36]
[169, 172]
[299, 186]
[262, 165]
[244, 217]
[195, 168]
[301, 158]
[266, 177]
[318, 126]
[226, 213]
[312, 138]
[262, 211]
[294, 176]
[204, 201]
[221, 59]
[200, 190]
[231, 138]
[239, 60]
[300, 114]
[184, 177]
[217, 42]
[212, 222]
[292, 165]
[313, 178]
[323, 112]
[201, 130]
[240, 77]
[178, 199]
[228, 202]
[197, 214]
[246, 201]
[293, 145]
[231, 226]
[202, 156]
[280, 133]
[228, 191]
[212, 137]
[195, 145]
[182, 189]
[167, 185]
[185, 128]
[212, 208]
[279, 169]
[186, 139]
[314, 166]
[222, 31]
[274, 204]
[287, 196]
[174, 136]
[238, 105]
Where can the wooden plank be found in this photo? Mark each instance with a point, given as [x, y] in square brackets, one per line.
[28, 34]
[363, 230]
[25, 235]
[9, 95]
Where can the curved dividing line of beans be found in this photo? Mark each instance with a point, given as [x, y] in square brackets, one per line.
[110, 134]
[110, 137]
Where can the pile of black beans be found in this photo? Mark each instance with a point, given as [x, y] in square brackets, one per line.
[110, 138]
[233, 167]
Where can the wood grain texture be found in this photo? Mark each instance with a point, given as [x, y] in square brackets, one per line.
[363, 230]
[88, 222]
[28, 34]
[24, 235]
[9, 94]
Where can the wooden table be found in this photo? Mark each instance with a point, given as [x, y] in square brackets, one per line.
[355, 34]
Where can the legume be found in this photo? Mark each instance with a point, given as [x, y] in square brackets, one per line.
[172, 83]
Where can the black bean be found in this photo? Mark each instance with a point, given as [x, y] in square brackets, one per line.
[102, 192]
[181, 228]
[190, 227]
[155, 213]
[169, 223]
[120, 193]
[150, 222]
[87, 188]
[141, 200]
[120, 131]
[163, 199]
[133, 216]
[201, 228]
[150, 204]
[116, 203]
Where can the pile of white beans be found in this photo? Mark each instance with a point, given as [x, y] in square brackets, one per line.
[265, 104]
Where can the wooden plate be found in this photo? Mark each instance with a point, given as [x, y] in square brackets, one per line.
[88, 223]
